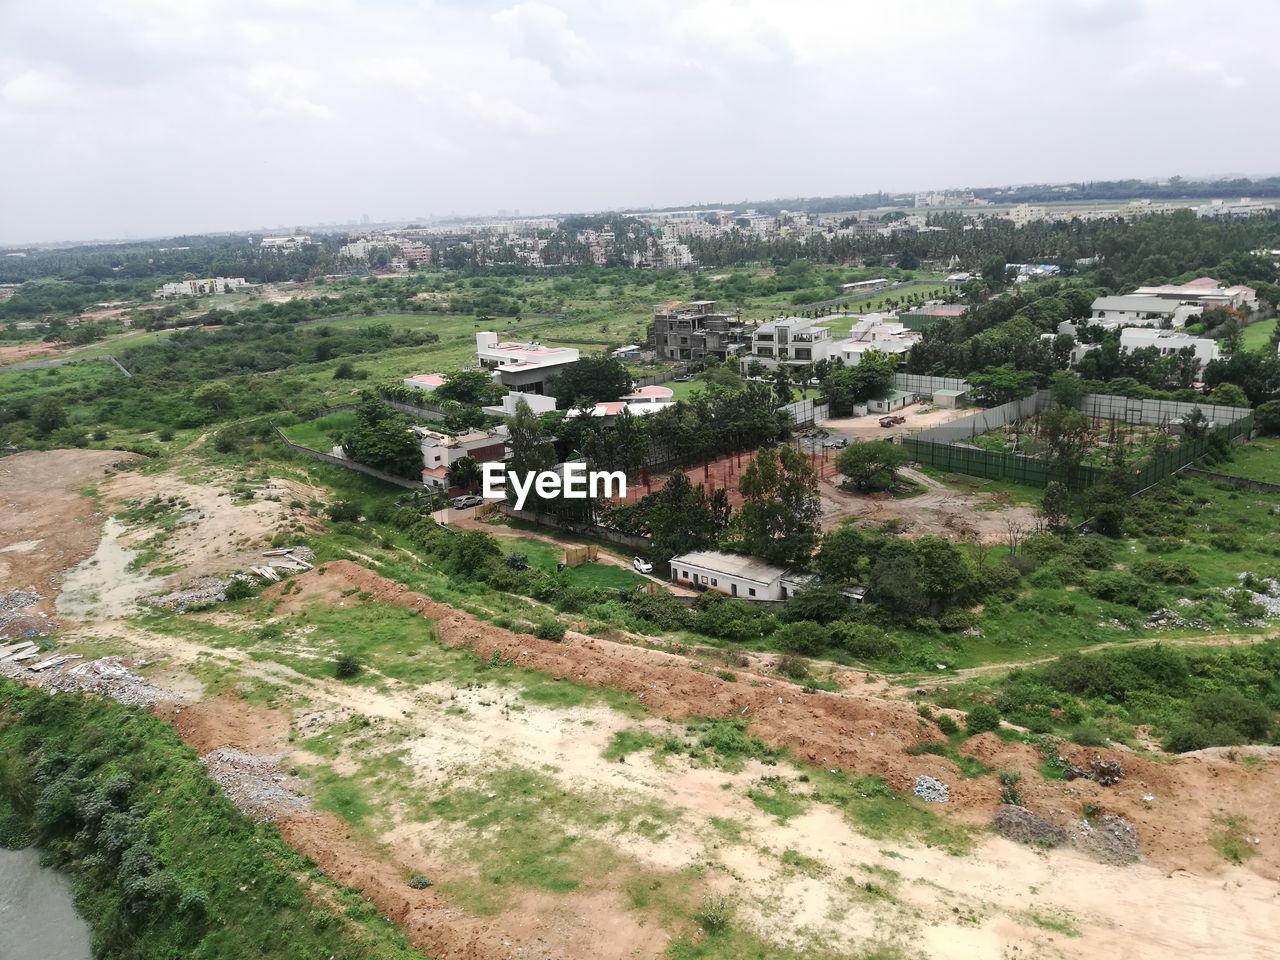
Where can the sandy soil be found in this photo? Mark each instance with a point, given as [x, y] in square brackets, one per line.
[868, 427]
[20, 352]
[940, 511]
[46, 525]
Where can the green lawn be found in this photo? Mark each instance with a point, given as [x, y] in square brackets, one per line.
[1259, 460]
[323, 433]
[545, 556]
[1257, 336]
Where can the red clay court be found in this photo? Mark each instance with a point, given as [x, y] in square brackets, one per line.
[721, 474]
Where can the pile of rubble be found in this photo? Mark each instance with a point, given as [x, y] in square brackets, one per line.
[1269, 601]
[284, 561]
[16, 617]
[255, 784]
[109, 676]
[1105, 773]
[1110, 839]
[932, 790]
[1022, 826]
[197, 594]
[1166, 619]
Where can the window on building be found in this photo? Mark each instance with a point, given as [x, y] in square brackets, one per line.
[751, 591]
[715, 582]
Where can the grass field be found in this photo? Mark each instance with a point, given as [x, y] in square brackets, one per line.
[1257, 336]
[1259, 460]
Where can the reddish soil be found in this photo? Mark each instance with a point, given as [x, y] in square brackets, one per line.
[865, 735]
[227, 722]
[19, 353]
[722, 474]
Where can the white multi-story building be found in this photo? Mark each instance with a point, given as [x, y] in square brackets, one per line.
[874, 333]
[201, 288]
[1168, 342]
[1203, 291]
[1140, 310]
[790, 341]
[522, 367]
[285, 244]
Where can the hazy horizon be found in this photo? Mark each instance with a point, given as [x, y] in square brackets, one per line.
[153, 119]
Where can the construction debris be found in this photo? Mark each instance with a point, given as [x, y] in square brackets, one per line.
[109, 676]
[1022, 826]
[1110, 839]
[932, 790]
[195, 595]
[255, 784]
[18, 600]
[1105, 773]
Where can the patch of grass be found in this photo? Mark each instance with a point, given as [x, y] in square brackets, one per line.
[627, 742]
[1057, 921]
[880, 812]
[725, 743]
[728, 829]
[801, 863]
[775, 797]
[1232, 838]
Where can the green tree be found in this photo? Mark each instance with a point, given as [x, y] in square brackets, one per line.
[47, 415]
[215, 397]
[846, 554]
[465, 472]
[590, 380]
[872, 464]
[870, 379]
[778, 519]
[471, 387]
[782, 384]
[382, 439]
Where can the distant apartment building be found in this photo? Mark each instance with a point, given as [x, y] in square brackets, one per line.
[200, 288]
[790, 341]
[522, 367]
[1024, 213]
[1244, 207]
[695, 331]
[415, 252]
[285, 244]
[1168, 342]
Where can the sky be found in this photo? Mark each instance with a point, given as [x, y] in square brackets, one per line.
[159, 117]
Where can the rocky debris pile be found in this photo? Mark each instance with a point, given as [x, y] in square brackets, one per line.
[255, 784]
[1166, 619]
[18, 600]
[1022, 826]
[109, 676]
[1105, 773]
[1268, 598]
[1110, 839]
[197, 594]
[932, 790]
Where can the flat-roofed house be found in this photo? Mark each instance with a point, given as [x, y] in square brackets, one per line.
[735, 575]
[523, 367]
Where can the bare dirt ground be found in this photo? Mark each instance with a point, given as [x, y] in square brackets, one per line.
[802, 881]
[21, 352]
[920, 416]
[940, 511]
[46, 525]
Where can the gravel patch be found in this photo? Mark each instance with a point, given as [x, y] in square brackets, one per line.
[1022, 826]
[932, 790]
[255, 784]
[1109, 839]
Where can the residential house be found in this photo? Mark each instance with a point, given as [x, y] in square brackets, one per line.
[425, 381]
[735, 575]
[790, 341]
[1169, 342]
[1140, 310]
[523, 367]
[696, 330]
[1205, 292]
[441, 450]
[201, 288]
[639, 403]
[872, 332]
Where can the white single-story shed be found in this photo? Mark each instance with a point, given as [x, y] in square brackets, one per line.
[896, 400]
[732, 574]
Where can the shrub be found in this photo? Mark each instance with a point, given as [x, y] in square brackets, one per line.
[864, 641]
[343, 511]
[1009, 780]
[793, 667]
[239, 588]
[420, 881]
[1165, 571]
[820, 604]
[549, 630]
[517, 561]
[948, 725]
[957, 620]
[346, 666]
[983, 718]
[715, 914]
[805, 637]
[1123, 588]
[1094, 552]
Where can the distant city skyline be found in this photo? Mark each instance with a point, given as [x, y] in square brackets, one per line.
[152, 119]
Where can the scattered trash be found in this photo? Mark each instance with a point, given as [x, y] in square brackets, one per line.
[109, 676]
[1022, 826]
[932, 790]
[195, 595]
[1105, 773]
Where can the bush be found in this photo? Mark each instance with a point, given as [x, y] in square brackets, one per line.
[955, 621]
[420, 881]
[864, 641]
[1009, 780]
[1123, 588]
[820, 604]
[549, 630]
[948, 725]
[1165, 571]
[346, 666]
[517, 561]
[805, 637]
[1094, 552]
[240, 588]
[1267, 417]
[983, 718]
[343, 511]
[793, 667]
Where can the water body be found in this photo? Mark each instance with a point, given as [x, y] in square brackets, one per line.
[103, 587]
[38, 920]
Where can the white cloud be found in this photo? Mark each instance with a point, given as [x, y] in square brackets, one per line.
[294, 111]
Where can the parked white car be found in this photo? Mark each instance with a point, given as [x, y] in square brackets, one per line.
[642, 565]
[463, 503]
